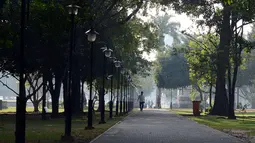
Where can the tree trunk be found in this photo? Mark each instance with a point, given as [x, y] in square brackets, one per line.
[221, 102]
[48, 101]
[44, 97]
[158, 98]
[100, 99]
[231, 96]
[82, 97]
[55, 106]
[65, 94]
[210, 95]
[55, 92]
[237, 57]
[36, 106]
[237, 96]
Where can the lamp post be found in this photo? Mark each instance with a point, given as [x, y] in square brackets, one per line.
[107, 53]
[129, 102]
[131, 94]
[117, 65]
[20, 128]
[124, 94]
[128, 93]
[111, 78]
[121, 90]
[73, 11]
[171, 104]
[92, 35]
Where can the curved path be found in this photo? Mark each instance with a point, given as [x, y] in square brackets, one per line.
[159, 126]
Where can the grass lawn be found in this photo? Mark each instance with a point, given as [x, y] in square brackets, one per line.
[182, 111]
[50, 131]
[29, 109]
[244, 123]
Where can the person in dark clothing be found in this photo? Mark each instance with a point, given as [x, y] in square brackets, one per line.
[141, 99]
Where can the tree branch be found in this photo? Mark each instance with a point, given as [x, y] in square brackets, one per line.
[9, 88]
[34, 92]
[107, 11]
[139, 5]
[15, 77]
[247, 23]
[134, 12]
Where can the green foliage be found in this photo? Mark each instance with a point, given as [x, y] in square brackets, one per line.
[201, 57]
[47, 38]
[165, 27]
[173, 72]
[193, 94]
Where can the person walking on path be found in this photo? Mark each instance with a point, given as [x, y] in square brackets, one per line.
[141, 99]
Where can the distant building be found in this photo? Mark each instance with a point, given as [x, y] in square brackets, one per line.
[183, 97]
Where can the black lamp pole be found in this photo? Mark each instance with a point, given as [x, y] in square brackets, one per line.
[118, 89]
[111, 102]
[68, 118]
[121, 92]
[73, 10]
[90, 110]
[126, 95]
[92, 34]
[129, 95]
[102, 114]
[20, 133]
[132, 98]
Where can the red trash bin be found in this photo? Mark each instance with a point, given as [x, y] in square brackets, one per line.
[196, 105]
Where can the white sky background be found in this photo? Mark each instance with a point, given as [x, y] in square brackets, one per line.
[185, 22]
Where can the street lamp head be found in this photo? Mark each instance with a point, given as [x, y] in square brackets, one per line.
[92, 35]
[73, 9]
[4, 21]
[109, 77]
[108, 52]
[117, 63]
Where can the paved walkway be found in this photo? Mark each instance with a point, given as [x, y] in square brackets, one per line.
[158, 126]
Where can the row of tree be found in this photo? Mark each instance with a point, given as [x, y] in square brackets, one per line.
[47, 40]
[215, 57]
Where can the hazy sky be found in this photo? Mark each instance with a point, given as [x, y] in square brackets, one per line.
[186, 24]
[183, 19]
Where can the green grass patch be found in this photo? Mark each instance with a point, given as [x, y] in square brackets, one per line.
[183, 111]
[245, 122]
[13, 110]
[28, 109]
[50, 131]
[222, 123]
